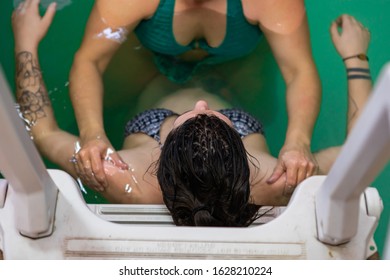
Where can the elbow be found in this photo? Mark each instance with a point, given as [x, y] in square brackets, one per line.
[83, 63]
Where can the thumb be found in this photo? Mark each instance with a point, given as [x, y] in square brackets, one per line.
[49, 14]
[118, 161]
[276, 174]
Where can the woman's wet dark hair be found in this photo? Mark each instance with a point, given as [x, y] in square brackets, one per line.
[204, 175]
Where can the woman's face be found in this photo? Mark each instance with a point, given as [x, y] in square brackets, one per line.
[201, 107]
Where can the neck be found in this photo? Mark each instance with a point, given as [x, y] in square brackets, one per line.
[166, 127]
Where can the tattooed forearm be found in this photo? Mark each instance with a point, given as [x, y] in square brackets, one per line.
[31, 93]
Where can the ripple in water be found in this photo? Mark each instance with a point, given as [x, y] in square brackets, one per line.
[45, 3]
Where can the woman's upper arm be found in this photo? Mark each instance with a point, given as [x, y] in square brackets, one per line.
[284, 24]
[280, 16]
[99, 44]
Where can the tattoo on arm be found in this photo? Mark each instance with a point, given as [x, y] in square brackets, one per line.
[31, 92]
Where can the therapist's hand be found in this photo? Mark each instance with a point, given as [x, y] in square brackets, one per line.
[90, 158]
[28, 26]
[296, 162]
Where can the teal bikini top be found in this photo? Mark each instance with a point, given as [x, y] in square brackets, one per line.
[156, 34]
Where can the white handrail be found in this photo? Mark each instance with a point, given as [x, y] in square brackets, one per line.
[22, 166]
[362, 157]
[386, 250]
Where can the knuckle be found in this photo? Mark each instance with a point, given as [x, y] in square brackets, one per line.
[95, 149]
[294, 162]
[83, 153]
[100, 178]
[303, 164]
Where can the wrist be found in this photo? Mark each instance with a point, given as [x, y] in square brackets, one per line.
[298, 133]
[26, 47]
[360, 56]
[358, 73]
[92, 134]
[358, 60]
[23, 49]
[352, 63]
[301, 140]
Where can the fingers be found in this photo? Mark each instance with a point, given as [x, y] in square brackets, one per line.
[296, 175]
[89, 164]
[296, 172]
[345, 21]
[28, 3]
[277, 173]
[23, 6]
[349, 36]
[76, 166]
[342, 22]
[301, 174]
[82, 176]
[292, 175]
[87, 169]
[20, 9]
[98, 170]
[49, 15]
[34, 5]
[312, 168]
[334, 31]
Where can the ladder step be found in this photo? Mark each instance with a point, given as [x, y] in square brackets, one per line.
[158, 214]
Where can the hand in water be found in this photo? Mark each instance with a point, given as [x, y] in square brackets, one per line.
[89, 162]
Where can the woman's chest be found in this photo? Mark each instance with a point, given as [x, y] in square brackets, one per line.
[203, 21]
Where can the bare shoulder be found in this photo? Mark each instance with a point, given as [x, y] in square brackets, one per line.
[139, 183]
[125, 12]
[141, 151]
[275, 14]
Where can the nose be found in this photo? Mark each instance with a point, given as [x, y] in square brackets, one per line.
[201, 105]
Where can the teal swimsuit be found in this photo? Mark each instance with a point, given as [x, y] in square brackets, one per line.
[156, 34]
